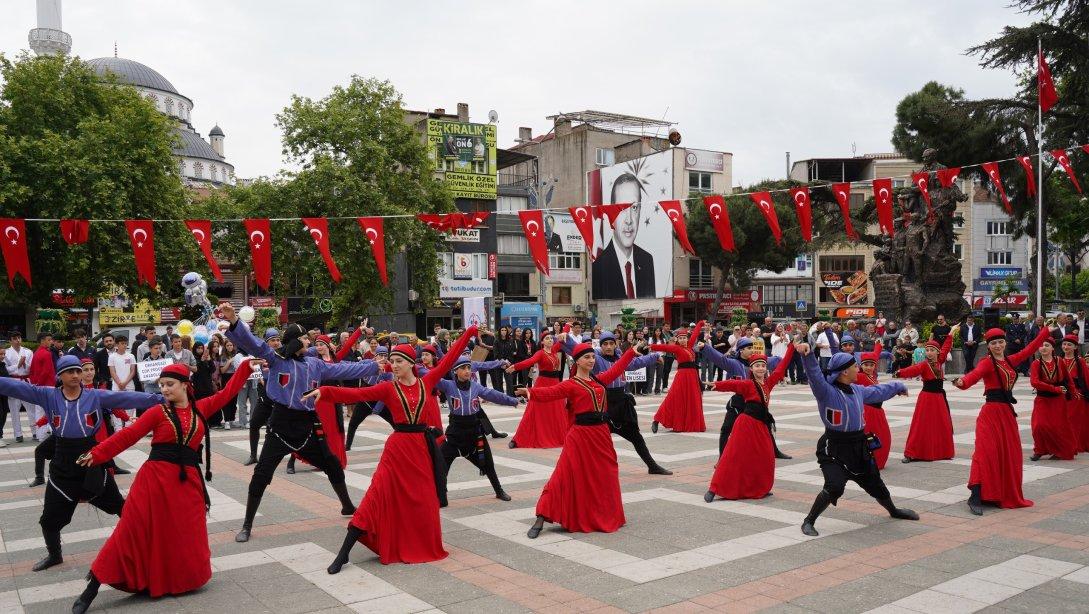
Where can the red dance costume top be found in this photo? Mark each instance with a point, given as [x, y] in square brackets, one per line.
[584, 395]
[751, 390]
[547, 363]
[863, 378]
[682, 353]
[928, 370]
[1006, 375]
[1048, 376]
[1076, 368]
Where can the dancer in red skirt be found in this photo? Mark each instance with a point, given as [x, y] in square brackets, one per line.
[996, 462]
[160, 545]
[931, 434]
[1077, 405]
[583, 494]
[746, 469]
[872, 413]
[543, 424]
[1051, 433]
[398, 518]
[682, 408]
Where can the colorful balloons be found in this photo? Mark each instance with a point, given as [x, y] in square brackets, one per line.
[185, 328]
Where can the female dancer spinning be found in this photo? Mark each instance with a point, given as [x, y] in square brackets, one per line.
[996, 461]
[1077, 406]
[931, 434]
[543, 425]
[1051, 433]
[160, 545]
[746, 469]
[872, 413]
[583, 493]
[399, 516]
[682, 408]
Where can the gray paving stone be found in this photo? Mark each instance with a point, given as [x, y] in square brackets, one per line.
[485, 604]
[856, 596]
[1035, 601]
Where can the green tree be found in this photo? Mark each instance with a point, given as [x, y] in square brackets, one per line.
[1069, 231]
[74, 147]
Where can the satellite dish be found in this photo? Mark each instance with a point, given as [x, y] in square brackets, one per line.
[493, 117]
[674, 137]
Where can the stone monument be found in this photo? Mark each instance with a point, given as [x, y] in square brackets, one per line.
[916, 275]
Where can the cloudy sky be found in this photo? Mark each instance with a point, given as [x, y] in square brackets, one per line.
[754, 79]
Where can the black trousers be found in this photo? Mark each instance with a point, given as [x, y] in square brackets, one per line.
[58, 508]
[258, 419]
[461, 441]
[969, 357]
[844, 458]
[498, 378]
[624, 421]
[288, 426]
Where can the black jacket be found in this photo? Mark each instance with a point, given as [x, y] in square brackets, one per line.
[609, 281]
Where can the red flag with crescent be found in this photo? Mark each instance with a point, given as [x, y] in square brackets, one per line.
[142, 237]
[376, 236]
[202, 232]
[921, 181]
[611, 212]
[1063, 159]
[533, 226]
[75, 232]
[842, 193]
[1045, 85]
[720, 220]
[675, 214]
[991, 168]
[882, 193]
[14, 248]
[447, 222]
[1030, 177]
[804, 206]
[1085, 148]
[260, 240]
[584, 220]
[946, 176]
[764, 202]
[318, 227]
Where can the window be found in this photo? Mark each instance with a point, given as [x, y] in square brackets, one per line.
[181, 167]
[566, 261]
[958, 251]
[834, 264]
[561, 295]
[512, 203]
[514, 284]
[512, 244]
[998, 229]
[604, 157]
[857, 200]
[897, 184]
[699, 182]
[958, 221]
[169, 106]
[215, 173]
[478, 265]
[999, 257]
[787, 293]
[198, 170]
[699, 274]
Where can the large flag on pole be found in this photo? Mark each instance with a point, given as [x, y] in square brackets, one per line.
[1045, 85]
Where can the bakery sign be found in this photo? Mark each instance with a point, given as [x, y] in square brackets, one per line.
[849, 288]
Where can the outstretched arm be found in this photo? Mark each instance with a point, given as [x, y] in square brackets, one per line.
[692, 338]
[976, 374]
[947, 345]
[914, 370]
[732, 366]
[1029, 350]
[349, 343]
[495, 396]
[731, 385]
[449, 358]
[341, 394]
[210, 405]
[529, 362]
[125, 438]
[486, 365]
[618, 368]
[132, 400]
[821, 388]
[781, 369]
[17, 388]
[881, 392]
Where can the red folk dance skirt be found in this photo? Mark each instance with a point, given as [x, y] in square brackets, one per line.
[544, 424]
[746, 469]
[400, 511]
[1051, 429]
[682, 408]
[878, 424]
[1077, 414]
[996, 462]
[160, 545]
[931, 435]
[583, 494]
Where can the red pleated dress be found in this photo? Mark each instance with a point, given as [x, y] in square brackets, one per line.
[682, 409]
[544, 424]
[931, 435]
[996, 461]
[1051, 432]
[160, 544]
[875, 420]
[583, 493]
[746, 469]
[1077, 406]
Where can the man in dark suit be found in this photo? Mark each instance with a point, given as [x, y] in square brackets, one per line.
[1016, 334]
[555, 241]
[623, 269]
[970, 334]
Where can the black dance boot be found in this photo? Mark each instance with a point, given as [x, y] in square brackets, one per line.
[353, 535]
[820, 504]
[38, 481]
[291, 465]
[975, 501]
[347, 508]
[654, 426]
[88, 595]
[897, 512]
[252, 503]
[535, 530]
[709, 496]
[53, 548]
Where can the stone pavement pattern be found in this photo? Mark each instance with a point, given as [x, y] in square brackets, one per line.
[676, 554]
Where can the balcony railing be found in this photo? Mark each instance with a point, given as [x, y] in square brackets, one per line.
[517, 181]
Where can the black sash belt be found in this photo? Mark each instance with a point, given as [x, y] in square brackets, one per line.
[845, 436]
[998, 395]
[691, 364]
[591, 418]
[182, 456]
[758, 411]
[934, 385]
[552, 374]
[438, 467]
[1047, 394]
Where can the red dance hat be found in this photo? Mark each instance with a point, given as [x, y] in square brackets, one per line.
[85, 361]
[430, 349]
[1072, 338]
[177, 371]
[933, 343]
[1051, 341]
[580, 349]
[404, 350]
[995, 334]
[324, 339]
[755, 358]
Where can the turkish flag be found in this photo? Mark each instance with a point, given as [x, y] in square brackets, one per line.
[1063, 159]
[142, 237]
[607, 212]
[922, 181]
[720, 220]
[675, 214]
[1045, 86]
[584, 221]
[446, 222]
[14, 248]
[1085, 148]
[202, 232]
[260, 239]
[74, 232]
[318, 227]
[1030, 177]
[946, 176]
[376, 236]
[882, 193]
[764, 201]
[533, 226]
[991, 168]
[804, 205]
[842, 192]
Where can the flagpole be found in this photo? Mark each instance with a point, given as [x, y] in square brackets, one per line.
[1040, 239]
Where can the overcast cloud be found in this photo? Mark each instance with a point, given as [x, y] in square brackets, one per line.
[753, 78]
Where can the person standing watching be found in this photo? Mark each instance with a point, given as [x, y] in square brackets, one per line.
[17, 359]
[969, 335]
[102, 361]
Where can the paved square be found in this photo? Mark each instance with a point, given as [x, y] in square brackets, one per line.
[676, 552]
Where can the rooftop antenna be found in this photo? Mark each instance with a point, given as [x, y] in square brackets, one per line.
[115, 49]
[854, 150]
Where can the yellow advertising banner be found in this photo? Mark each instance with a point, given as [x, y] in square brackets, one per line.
[140, 312]
[465, 153]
